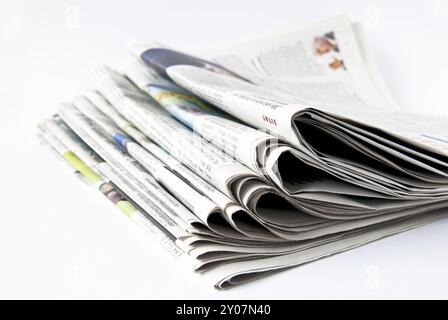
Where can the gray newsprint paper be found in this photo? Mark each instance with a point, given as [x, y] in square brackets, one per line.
[248, 159]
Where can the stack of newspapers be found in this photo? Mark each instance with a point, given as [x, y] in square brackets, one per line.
[245, 160]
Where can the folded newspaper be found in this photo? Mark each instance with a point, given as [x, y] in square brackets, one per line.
[256, 157]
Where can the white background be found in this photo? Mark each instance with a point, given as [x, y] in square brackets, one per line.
[58, 240]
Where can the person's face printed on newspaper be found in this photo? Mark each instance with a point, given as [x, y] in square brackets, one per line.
[115, 197]
[106, 187]
[160, 59]
[323, 45]
[336, 64]
[326, 47]
[109, 191]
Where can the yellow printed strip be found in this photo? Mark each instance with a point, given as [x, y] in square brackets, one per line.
[180, 97]
[126, 207]
[81, 166]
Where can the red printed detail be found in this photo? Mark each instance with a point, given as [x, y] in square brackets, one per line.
[269, 120]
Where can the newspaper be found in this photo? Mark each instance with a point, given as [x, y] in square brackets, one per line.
[210, 213]
[256, 157]
[86, 171]
[196, 253]
[401, 159]
[277, 157]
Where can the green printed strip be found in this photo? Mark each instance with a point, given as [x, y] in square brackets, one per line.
[81, 166]
[126, 207]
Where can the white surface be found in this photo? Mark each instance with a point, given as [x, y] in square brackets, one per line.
[58, 240]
